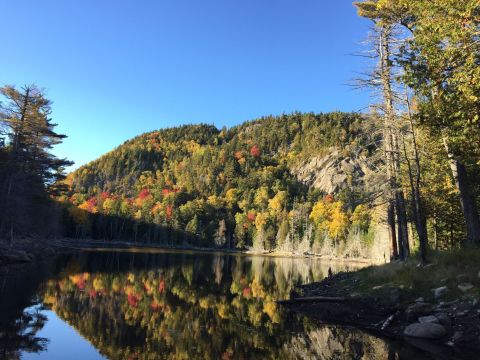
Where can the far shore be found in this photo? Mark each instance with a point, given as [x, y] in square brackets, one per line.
[32, 249]
[87, 244]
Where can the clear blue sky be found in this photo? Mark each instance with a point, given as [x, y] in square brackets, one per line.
[117, 68]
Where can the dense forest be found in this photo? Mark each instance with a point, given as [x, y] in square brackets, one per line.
[300, 182]
[426, 74]
[235, 188]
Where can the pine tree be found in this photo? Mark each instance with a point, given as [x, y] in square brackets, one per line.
[31, 170]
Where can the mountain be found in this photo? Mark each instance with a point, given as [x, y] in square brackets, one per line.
[291, 183]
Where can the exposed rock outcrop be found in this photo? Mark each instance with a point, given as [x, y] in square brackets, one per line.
[333, 172]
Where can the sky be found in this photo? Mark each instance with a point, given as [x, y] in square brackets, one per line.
[117, 68]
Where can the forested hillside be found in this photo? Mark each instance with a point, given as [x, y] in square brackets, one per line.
[405, 172]
[298, 183]
[236, 188]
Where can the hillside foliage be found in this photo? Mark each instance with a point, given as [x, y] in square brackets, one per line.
[230, 188]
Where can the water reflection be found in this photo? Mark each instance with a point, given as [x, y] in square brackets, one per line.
[189, 306]
[21, 334]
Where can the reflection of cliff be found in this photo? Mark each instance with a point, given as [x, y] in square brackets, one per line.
[335, 343]
[295, 270]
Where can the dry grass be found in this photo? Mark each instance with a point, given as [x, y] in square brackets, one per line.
[445, 269]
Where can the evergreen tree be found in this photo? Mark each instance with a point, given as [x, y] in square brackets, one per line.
[30, 170]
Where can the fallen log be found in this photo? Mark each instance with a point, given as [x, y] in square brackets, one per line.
[334, 299]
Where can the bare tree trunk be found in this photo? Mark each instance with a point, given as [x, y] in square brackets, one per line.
[415, 178]
[391, 230]
[421, 219]
[467, 200]
[391, 140]
[416, 208]
[402, 224]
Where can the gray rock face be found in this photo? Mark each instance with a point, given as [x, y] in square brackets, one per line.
[428, 319]
[331, 172]
[439, 292]
[425, 331]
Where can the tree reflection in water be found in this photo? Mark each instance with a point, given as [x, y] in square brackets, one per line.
[20, 334]
[189, 306]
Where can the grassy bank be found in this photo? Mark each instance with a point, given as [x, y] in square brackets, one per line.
[455, 270]
[434, 307]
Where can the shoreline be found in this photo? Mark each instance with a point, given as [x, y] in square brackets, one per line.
[28, 251]
[31, 249]
[370, 299]
[443, 324]
[86, 244]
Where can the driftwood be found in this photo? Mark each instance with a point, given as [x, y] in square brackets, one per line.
[389, 320]
[334, 299]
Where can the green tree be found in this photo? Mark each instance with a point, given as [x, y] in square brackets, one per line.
[31, 171]
[440, 61]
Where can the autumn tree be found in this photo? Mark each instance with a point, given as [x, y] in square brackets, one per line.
[440, 61]
[442, 66]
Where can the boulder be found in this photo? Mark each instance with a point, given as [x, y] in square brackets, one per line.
[428, 319]
[439, 292]
[425, 331]
[464, 287]
[444, 319]
[417, 309]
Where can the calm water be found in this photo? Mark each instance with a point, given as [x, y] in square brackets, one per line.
[170, 305]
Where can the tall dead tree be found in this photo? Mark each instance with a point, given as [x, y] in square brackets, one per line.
[414, 175]
[391, 136]
[382, 80]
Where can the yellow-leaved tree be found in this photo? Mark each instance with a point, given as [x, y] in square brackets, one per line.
[330, 218]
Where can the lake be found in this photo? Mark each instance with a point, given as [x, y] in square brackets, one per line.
[171, 305]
